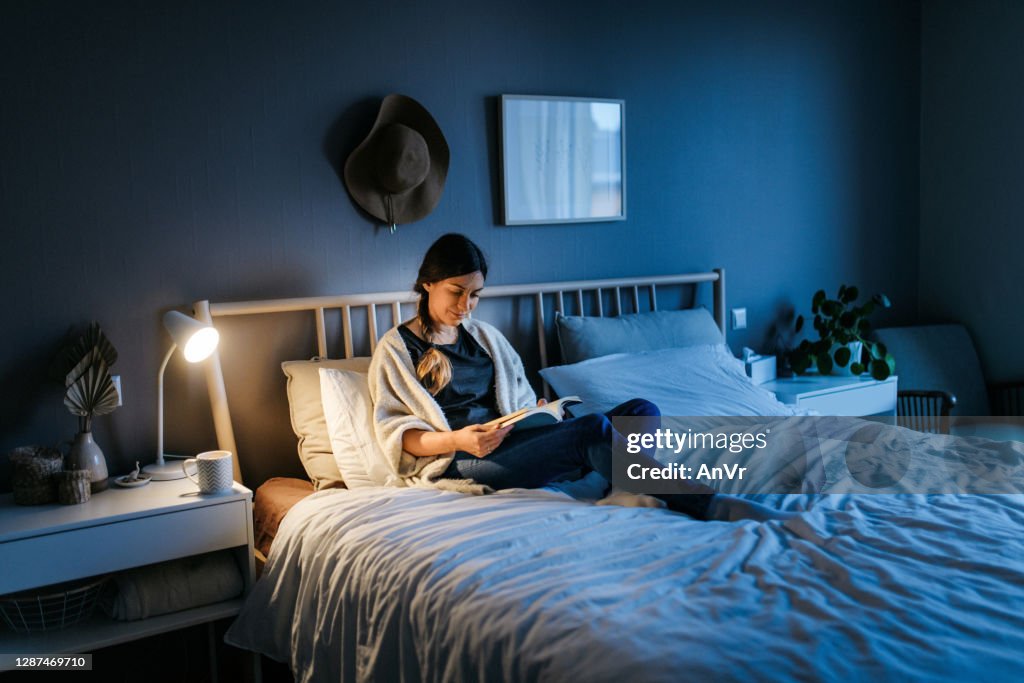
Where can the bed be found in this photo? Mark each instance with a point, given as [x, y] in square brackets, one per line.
[912, 580]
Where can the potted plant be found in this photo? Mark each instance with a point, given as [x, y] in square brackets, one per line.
[780, 339]
[842, 345]
[84, 364]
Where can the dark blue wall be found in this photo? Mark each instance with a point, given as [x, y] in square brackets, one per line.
[155, 153]
[972, 170]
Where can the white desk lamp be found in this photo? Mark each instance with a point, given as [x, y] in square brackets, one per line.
[197, 342]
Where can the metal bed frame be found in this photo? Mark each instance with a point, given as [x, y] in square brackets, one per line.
[616, 288]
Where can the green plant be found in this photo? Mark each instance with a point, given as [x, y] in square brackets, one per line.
[840, 322]
[84, 367]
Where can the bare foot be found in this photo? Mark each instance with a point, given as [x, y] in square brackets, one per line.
[630, 500]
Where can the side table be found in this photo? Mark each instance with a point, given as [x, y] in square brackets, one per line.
[119, 529]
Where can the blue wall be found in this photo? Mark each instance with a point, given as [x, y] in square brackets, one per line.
[158, 153]
[972, 168]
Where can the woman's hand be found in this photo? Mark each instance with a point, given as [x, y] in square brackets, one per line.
[479, 440]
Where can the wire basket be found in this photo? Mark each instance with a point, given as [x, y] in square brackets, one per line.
[52, 607]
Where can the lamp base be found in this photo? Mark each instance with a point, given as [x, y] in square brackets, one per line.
[165, 472]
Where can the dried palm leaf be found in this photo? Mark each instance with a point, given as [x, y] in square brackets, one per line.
[82, 366]
[73, 352]
[92, 392]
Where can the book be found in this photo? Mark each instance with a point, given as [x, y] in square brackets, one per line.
[536, 416]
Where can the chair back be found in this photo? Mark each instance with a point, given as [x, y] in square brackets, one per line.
[925, 411]
[939, 358]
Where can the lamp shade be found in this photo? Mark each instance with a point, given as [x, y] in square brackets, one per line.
[196, 340]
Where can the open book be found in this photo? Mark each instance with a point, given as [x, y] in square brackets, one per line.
[535, 416]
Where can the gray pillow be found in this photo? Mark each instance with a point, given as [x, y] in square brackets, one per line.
[583, 337]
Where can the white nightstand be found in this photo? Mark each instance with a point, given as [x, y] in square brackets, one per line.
[119, 529]
[832, 395]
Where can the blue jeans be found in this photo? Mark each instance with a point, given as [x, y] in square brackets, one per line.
[534, 457]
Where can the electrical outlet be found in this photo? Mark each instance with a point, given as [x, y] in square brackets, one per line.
[116, 379]
[739, 318]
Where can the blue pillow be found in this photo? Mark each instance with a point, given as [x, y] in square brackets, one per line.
[583, 337]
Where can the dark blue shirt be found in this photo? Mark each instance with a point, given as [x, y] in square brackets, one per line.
[469, 398]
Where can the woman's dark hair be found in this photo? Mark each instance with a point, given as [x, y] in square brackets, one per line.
[450, 255]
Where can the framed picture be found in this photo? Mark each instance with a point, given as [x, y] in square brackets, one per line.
[563, 159]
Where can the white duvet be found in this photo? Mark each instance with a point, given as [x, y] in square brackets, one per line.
[419, 584]
[390, 584]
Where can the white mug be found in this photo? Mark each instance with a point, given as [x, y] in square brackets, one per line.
[214, 469]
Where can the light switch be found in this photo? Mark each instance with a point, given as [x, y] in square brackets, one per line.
[739, 318]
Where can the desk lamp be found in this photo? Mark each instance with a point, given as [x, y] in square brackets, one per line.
[197, 342]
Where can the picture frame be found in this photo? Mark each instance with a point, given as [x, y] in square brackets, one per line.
[563, 159]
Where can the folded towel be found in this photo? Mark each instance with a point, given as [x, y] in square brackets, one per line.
[173, 586]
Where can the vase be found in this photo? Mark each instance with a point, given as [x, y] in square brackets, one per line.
[855, 350]
[86, 455]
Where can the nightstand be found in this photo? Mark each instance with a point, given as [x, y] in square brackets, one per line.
[119, 529]
[832, 395]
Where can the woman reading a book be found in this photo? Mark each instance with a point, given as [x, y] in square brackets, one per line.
[439, 378]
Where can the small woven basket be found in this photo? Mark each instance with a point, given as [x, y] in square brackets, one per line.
[52, 607]
[32, 480]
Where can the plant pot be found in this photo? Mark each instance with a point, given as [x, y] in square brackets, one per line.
[855, 351]
[86, 455]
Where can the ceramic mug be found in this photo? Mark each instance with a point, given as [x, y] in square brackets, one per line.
[215, 474]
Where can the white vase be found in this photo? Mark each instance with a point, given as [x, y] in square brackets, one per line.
[855, 350]
[86, 455]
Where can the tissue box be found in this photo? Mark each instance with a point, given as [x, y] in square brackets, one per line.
[761, 369]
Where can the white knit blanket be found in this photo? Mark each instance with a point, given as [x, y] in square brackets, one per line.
[401, 403]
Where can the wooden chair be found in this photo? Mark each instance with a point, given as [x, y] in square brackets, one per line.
[924, 410]
[938, 357]
[944, 356]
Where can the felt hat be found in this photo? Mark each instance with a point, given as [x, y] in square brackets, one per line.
[397, 173]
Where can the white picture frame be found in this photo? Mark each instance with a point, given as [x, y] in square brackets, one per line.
[563, 159]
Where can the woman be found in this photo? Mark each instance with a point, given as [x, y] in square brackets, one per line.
[438, 378]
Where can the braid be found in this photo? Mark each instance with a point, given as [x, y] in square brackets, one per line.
[434, 371]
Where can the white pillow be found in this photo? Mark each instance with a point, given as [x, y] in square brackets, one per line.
[691, 381]
[349, 415]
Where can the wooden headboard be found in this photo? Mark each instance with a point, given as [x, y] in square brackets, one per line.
[585, 297]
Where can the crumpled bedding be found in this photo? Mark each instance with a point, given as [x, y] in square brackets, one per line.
[816, 454]
[427, 585]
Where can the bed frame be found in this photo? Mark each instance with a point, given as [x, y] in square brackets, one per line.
[596, 291]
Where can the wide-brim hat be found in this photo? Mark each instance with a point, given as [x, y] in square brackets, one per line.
[397, 173]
